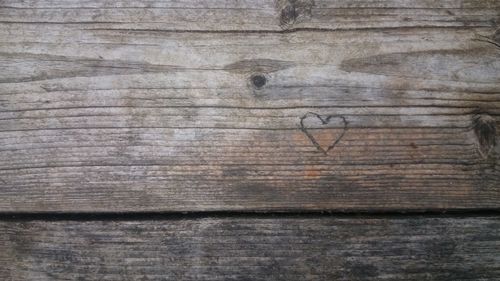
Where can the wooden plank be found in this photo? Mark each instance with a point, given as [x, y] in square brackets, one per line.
[327, 114]
[292, 248]
[253, 15]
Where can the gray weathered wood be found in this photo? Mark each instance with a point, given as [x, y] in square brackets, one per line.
[253, 249]
[249, 105]
[253, 15]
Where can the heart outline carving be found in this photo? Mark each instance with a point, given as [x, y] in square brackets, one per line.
[325, 119]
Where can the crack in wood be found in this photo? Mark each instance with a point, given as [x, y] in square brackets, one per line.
[494, 40]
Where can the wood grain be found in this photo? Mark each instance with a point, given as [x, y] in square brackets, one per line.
[114, 106]
[253, 15]
[289, 248]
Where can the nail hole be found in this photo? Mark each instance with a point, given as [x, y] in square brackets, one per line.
[258, 81]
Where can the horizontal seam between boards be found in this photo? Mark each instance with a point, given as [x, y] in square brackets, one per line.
[221, 214]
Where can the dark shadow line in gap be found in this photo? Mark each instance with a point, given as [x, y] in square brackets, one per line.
[151, 216]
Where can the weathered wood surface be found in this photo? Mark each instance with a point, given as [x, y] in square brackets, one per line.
[253, 15]
[253, 249]
[249, 105]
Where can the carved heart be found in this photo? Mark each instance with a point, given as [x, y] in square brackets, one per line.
[324, 131]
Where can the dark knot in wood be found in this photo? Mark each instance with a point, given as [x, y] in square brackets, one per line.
[288, 15]
[485, 130]
[258, 80]
[293, 11]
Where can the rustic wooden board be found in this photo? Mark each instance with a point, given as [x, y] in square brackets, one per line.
[112, 106]
[253, 15]
[238, 248]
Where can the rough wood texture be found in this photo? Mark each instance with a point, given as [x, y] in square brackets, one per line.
[253, 249]
[249, 105]
[253, 15]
